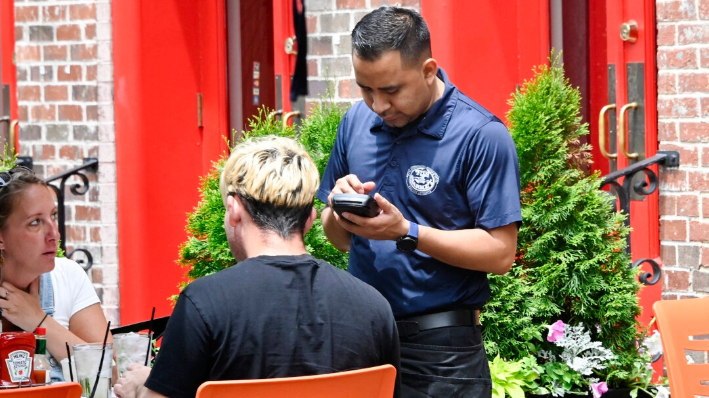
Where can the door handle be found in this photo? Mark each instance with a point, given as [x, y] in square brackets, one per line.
[289, 115]
[602, 132]
[274, 114]
[622, 134]
[12, 135]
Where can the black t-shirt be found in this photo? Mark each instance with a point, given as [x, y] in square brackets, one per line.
[273, 316]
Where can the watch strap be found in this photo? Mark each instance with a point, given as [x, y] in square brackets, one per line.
[413, 230]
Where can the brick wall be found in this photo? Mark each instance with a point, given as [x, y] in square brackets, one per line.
[683, 113]
[65, 102]
[330, 23]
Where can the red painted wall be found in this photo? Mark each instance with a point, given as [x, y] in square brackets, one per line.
[487, 47]
[9, 71]
[165, 52]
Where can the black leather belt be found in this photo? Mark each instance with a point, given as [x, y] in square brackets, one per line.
[437, 320]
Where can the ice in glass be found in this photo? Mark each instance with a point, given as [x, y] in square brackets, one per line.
[86, 359]
[130, 347]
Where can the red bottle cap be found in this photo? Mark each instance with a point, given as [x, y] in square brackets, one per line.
[40, 331]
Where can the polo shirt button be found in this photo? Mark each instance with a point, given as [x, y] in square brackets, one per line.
[393, 163]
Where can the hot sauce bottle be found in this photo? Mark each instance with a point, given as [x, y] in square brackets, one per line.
[42, 368]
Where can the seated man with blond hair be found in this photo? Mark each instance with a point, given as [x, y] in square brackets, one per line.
[278, 312]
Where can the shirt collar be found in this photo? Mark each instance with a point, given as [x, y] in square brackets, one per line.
[436, 118]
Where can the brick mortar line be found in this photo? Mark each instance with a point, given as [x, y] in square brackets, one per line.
[47, 102]
[685, 94]
[680, 195]
[61, 83]
[55, 2]
[675, 72]
[693, 144]
[62, 102]
[56, 62]
[54, 24]
[681, 46]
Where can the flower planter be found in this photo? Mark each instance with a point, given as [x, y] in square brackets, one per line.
[624, 393]
[612, 393]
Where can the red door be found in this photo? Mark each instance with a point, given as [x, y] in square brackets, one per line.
[172, 72]
[624, 101]
[624, 115]
[170, 110]
[8, 75]
[261, 58]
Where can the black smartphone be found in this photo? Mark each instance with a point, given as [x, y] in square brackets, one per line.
[359, 204]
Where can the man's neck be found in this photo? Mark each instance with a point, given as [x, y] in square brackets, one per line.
[440, 88]
[272, 244]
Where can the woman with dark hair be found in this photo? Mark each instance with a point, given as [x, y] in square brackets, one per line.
[39, 289]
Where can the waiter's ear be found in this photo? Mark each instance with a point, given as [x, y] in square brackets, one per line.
[429, 69]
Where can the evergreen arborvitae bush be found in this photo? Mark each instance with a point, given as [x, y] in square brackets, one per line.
[571, 263]
[206, 250]
[317, 134]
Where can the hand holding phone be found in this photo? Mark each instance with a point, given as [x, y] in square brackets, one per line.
[359, 204]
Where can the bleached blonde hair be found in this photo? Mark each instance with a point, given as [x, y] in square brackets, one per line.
[276, 180]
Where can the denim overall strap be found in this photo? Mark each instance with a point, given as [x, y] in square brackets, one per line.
[46, 300]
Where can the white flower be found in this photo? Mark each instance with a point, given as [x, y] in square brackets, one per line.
[653, 344]
[580, 353]
[662, 392]
[548, 355]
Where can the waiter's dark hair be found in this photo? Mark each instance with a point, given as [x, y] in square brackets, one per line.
[392, 28]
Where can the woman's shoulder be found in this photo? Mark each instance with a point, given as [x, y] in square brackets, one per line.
[65, 266]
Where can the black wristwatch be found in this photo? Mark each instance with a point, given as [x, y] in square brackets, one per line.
[410, 241]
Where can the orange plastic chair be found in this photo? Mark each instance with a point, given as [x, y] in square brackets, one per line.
[61, 390]
[677, 321]
[374, 382]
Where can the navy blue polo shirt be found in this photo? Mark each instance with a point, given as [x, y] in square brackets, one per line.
[454, 168]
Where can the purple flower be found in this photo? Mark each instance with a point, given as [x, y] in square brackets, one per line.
[599, 389]
[556, 331]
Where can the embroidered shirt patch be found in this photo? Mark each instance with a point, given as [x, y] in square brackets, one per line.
[421, 180]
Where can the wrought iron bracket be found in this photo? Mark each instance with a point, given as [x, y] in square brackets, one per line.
[648, 278]
[26, 161]
[643, 187]
[80, 188]
[663, 158]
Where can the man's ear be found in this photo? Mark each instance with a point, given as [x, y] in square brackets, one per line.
[311, 219]
[429, 70]
[233, 209]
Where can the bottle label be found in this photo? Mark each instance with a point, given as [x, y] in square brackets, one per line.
[19, 365]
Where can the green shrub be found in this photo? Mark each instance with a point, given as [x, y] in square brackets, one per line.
[206, 250]
[571, 263]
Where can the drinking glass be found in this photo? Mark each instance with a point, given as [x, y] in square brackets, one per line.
[130, 347]
[87, 358]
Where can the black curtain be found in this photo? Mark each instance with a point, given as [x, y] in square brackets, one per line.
[299, 85]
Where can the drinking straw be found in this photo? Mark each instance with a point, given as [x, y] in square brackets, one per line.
[150, 336]
[100, 364]
[68, 355]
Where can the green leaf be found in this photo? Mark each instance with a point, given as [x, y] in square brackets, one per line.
[498, 391]
[515, 392]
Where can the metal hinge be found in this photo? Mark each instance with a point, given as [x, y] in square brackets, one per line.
[199, 110]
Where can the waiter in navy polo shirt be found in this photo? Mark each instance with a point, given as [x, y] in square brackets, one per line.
[445, 174]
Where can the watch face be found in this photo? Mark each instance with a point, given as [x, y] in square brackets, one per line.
[407, 244]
